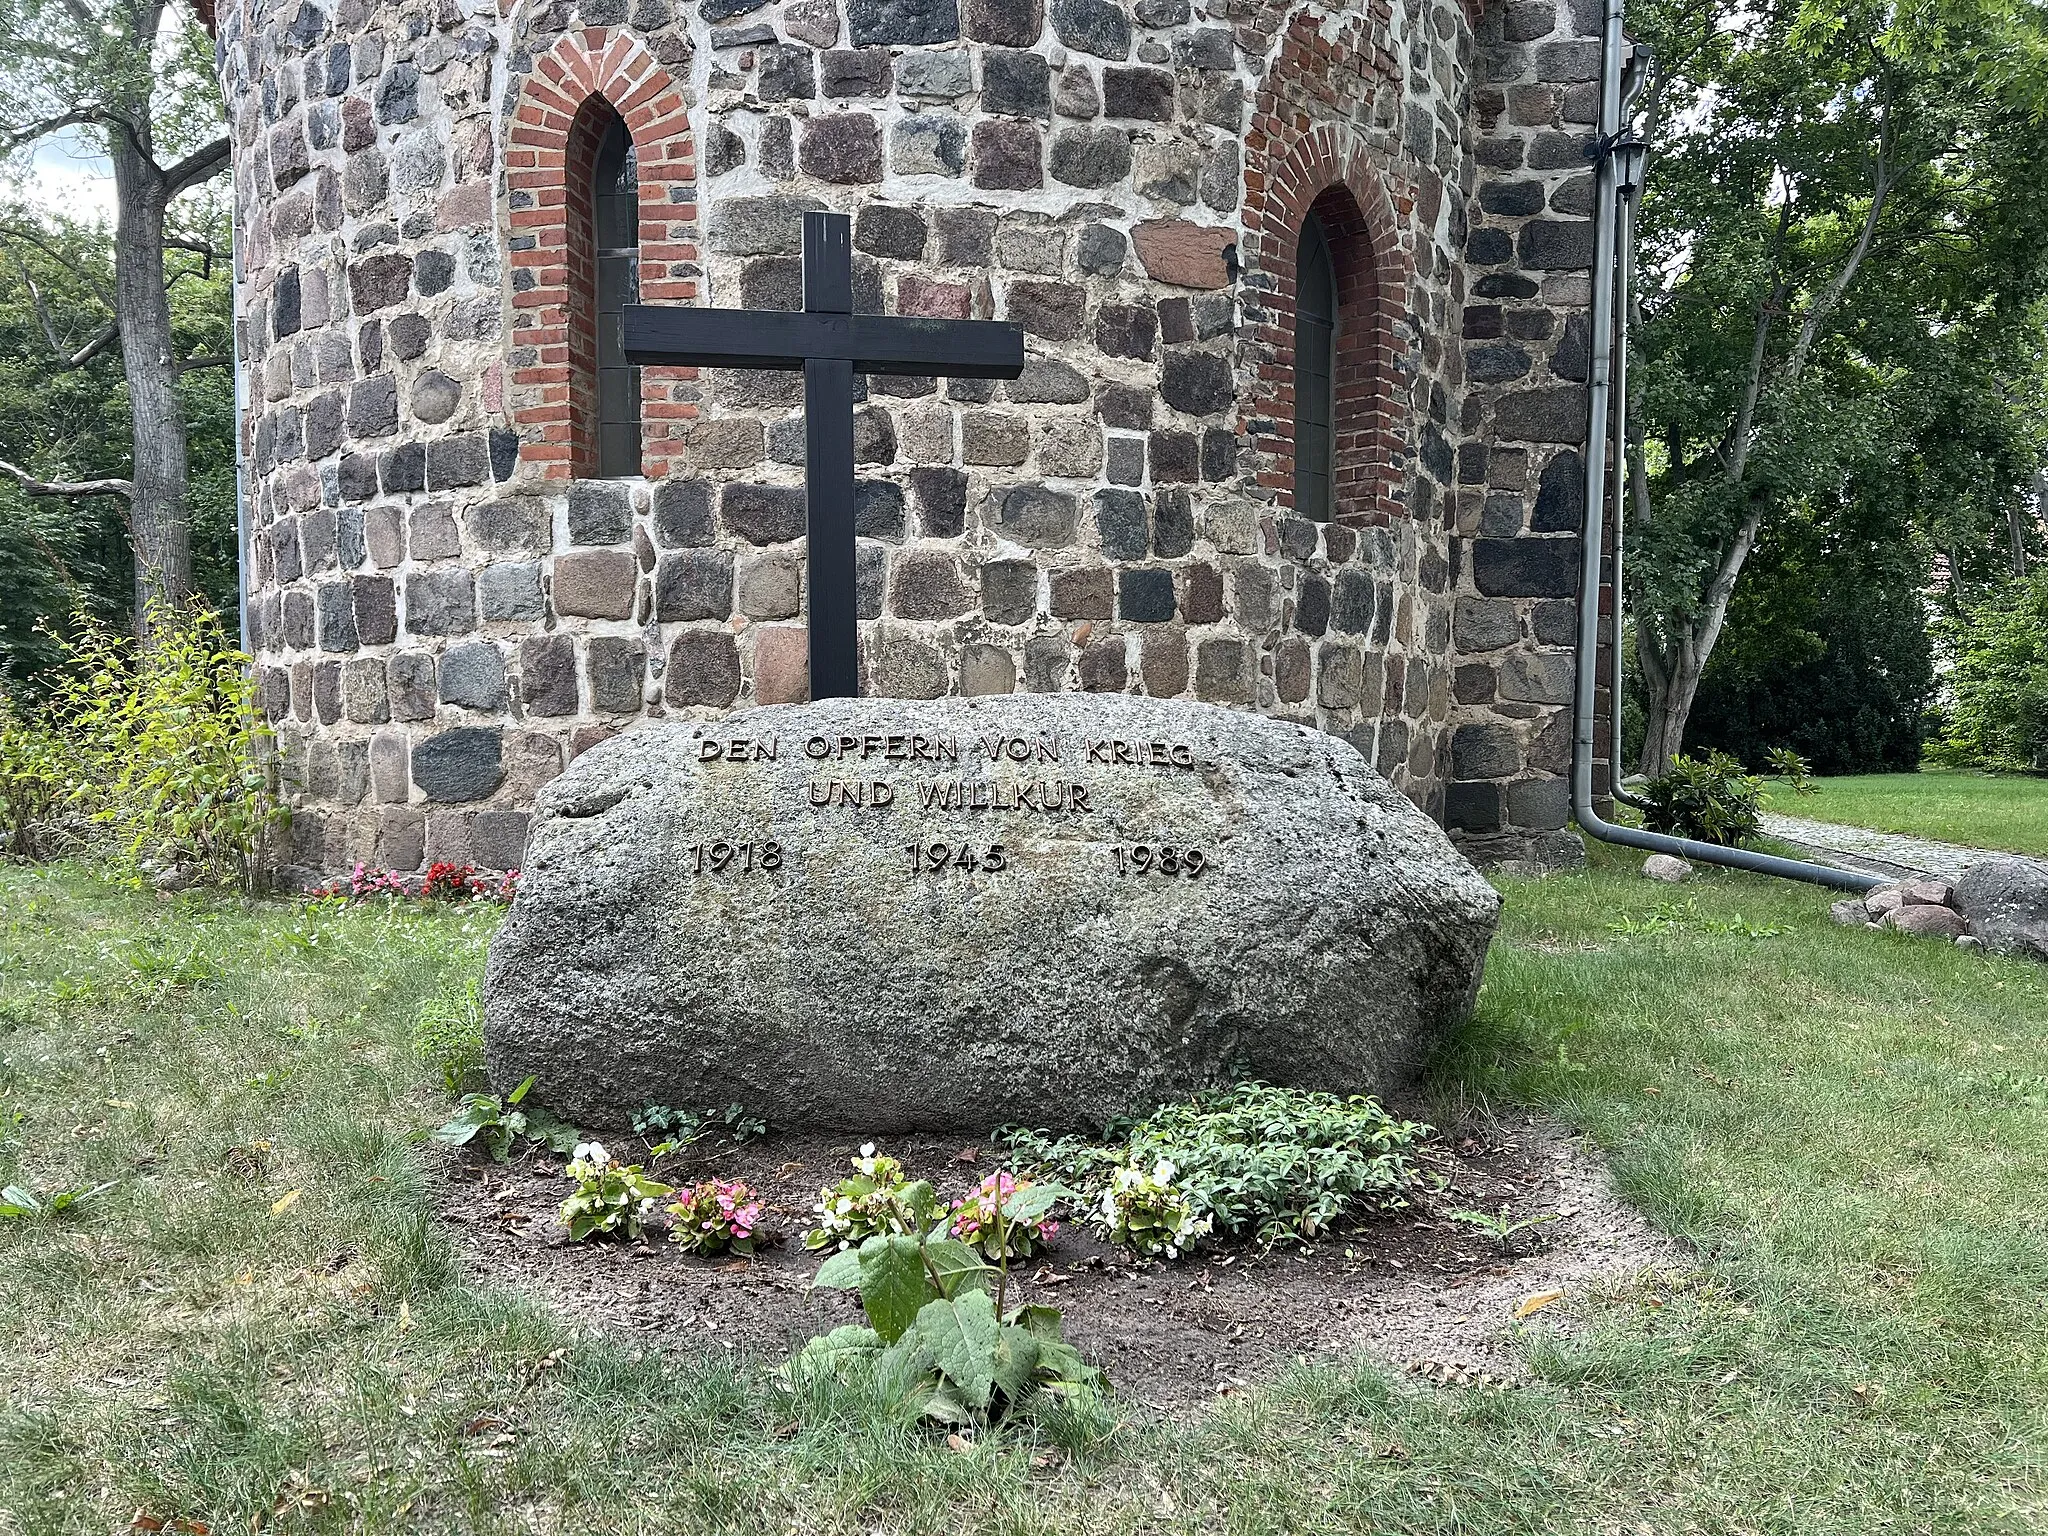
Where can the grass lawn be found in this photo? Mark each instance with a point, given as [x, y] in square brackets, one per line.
[261, 1325]
[1950, 805]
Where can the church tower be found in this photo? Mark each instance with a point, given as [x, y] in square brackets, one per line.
[1299, 431]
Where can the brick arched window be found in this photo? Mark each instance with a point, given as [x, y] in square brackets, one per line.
[1334, 232]
[1322, 195]
[602, 181]
[1315, 371]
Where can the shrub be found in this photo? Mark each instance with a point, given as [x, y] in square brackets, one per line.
[2000, 717]
[448, 1036]
[871, 1202]
[166, 746]
[1254, 1161]
[1710, 802]
[718, 1216]
[1795, 770]
[977, 1220]
[1825, 651]
[611, 1199]
[32, 781]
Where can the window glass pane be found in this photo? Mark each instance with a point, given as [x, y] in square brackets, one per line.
[1315, 357]
[615, 206]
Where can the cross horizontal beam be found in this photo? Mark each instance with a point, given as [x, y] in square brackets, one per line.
[672, 336]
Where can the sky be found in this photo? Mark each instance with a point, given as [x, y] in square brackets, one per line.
[68, 175]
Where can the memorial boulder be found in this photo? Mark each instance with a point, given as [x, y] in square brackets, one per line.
[879, 915]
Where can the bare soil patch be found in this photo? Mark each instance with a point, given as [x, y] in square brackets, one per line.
[1422, 1292]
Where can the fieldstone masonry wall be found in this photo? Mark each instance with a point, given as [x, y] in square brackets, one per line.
[444, 614]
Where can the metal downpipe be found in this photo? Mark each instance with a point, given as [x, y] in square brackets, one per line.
[241, 406]
[1599, 396]
[1626, 197]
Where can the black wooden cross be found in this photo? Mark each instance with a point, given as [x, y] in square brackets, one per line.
[831, 344]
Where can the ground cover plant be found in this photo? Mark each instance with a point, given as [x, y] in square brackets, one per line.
[1251, 1162]
[1950, 805]
[262, 1321]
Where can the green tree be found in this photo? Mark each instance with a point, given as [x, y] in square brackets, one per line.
[135, 78]
[2000, 718]
[66, 420]
[1844, 219]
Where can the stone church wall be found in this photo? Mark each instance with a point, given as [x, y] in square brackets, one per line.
[444, 612]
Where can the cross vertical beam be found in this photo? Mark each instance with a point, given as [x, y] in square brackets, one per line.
[828, 467]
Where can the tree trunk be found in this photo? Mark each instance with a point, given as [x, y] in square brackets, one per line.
[1668, 693]
[2016, 522]
[159, 525]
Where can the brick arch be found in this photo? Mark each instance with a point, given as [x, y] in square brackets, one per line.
[1325, 168]
[572, 91]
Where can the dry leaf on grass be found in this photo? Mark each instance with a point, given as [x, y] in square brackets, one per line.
[1536, 1301]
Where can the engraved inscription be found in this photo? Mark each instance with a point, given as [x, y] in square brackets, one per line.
[985, 782]
[1163, 859]
[938, 858]
[737, 858]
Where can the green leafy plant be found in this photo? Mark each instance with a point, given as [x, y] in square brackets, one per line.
[668, 1131]
[717, 1216]
[611, 1199]
[1503, 1228]
[1257, 1162]
[32, 781]
[940, 1344]
[1710, 801]
[979, 1220]
[873, 1201]
[20, 1203]
[1795, 770]
[448, 1035]
[168, 746]
[501, 1123]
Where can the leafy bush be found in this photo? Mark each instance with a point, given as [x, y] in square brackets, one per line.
[977, 1219]
[503, 1122]
[1257, 1162]
[171, 750]
[611, 1199]
[32, 781]
[1710, 802]
[872, 1202]
[717, 1216]
[448, 1035]
[937, 1342]
[1795, 770]
[1826, 652]
[2000, 717]
[165, 747]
